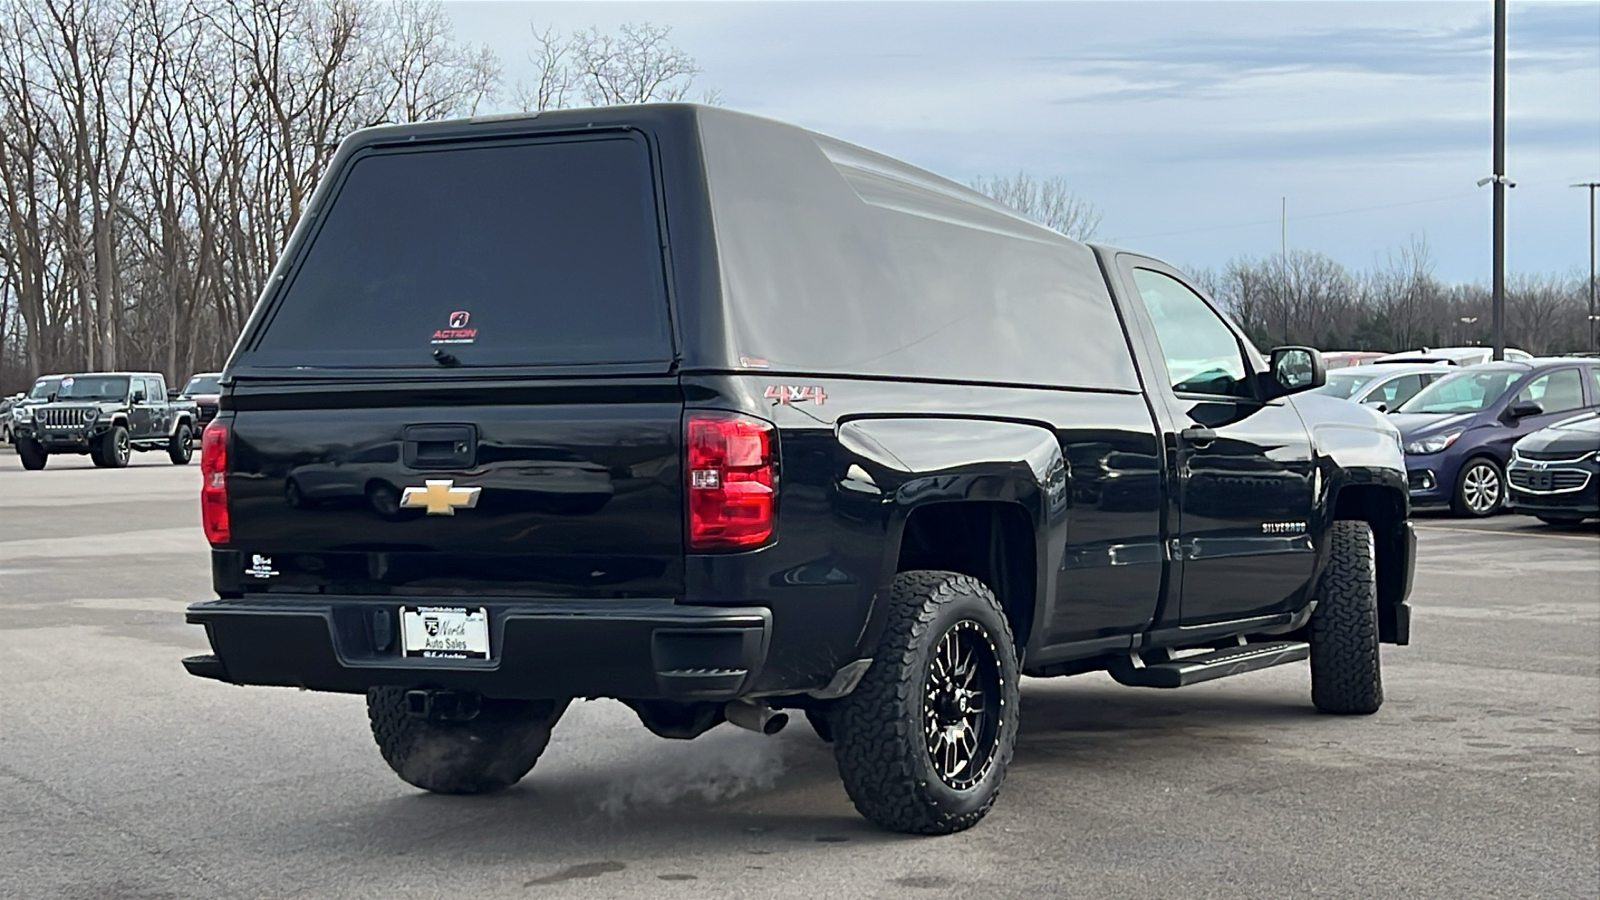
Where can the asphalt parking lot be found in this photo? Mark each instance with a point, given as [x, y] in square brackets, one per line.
[123, 777]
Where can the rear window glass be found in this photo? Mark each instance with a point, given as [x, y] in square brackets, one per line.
[538, 253]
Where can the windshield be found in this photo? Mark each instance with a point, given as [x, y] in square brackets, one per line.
[43, 387]
[202, 384]
[1462, 392]
[114, 387]
[1345, 385]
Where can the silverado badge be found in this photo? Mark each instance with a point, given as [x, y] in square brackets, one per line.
[439, 498]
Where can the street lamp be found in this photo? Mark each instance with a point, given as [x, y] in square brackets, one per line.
[1591, 185]
[1468, 320]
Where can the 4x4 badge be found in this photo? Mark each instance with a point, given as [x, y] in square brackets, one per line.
[440, 498]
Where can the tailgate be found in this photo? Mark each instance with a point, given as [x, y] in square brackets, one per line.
[565, 489]
[465, 383]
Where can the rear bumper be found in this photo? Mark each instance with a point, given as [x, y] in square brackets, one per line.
[634, 649]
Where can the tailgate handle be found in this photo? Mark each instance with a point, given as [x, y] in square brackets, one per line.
[441, 446]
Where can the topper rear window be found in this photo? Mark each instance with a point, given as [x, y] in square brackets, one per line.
[535, 253]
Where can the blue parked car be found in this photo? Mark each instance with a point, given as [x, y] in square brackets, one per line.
[1459, 430]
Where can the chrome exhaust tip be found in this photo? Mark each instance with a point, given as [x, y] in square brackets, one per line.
[755, 717]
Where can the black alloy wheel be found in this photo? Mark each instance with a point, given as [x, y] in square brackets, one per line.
[960, 708]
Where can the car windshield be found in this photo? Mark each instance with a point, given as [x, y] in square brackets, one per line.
[1345, 385]
[43, 388]
[93, 388]
[1462, 392]
[202, 384]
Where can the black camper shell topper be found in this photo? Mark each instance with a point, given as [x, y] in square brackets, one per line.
[730, 420]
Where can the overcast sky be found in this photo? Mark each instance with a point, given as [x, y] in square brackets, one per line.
[1184, 122]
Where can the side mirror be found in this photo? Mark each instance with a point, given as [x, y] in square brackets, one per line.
[173, 395]
[1296, 369]
[138, 396]
[1378, 405]
[1523, 410]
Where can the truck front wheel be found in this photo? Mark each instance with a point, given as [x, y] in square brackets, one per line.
[32, 454]
[112, 450]
[489, 752]
[924, 740]
[1345, 675]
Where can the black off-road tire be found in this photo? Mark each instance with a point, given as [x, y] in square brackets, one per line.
[32, 455]
[487, 753]
[1346, 677]
[112, 450]
[879, 739]
[180, 447]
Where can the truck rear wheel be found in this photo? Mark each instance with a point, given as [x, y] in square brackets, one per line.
[1345, 673]
[488, 752]
[33, 455]
[924, 740]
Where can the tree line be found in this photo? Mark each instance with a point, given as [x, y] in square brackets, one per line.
[156, 154]
[1304, 297]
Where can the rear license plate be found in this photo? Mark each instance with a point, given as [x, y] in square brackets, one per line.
[444, 632]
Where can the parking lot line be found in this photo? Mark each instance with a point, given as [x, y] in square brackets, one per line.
[1486, 532]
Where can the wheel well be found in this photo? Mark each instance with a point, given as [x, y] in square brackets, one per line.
[1385, 510]
[991, 541]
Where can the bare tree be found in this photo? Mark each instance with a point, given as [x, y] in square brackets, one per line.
[637, 64]
[1048, 201]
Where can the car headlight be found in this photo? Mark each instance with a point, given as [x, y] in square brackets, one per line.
[92, 413]
[1432, 444]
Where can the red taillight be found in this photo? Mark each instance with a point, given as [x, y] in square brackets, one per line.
[731, 480]
[214, 481]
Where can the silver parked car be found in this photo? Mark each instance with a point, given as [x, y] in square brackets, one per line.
[1453, 356]
[1383, 386]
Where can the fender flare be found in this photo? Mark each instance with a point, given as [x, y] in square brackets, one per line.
[916, 462]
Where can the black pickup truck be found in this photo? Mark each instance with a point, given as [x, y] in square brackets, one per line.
[106, 415]
[730, 420]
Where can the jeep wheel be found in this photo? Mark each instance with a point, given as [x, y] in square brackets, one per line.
[923, 742]
[489, 752]
[33, 455]
[180, 449]
[1345, 673]
[1480, 489]
[112, 450]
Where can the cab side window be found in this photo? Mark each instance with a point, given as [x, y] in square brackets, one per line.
[1557, 391]
[1201, 353]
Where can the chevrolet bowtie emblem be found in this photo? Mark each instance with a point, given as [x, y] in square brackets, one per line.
[439, 498]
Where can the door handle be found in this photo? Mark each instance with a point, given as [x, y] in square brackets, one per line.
[1198, 435]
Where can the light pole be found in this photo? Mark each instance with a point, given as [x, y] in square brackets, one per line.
[1499, 179]
[1591, 185]
[1468, 320]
